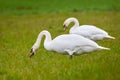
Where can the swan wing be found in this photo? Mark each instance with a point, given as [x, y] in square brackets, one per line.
[92, 29]
[71, 42]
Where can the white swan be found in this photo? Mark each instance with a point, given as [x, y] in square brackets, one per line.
[67, 43]
[88, 31]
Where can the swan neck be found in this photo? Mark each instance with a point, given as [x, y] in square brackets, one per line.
[40, 36]
[76, 22]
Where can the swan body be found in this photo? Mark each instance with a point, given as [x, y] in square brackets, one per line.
[66, 43]
[88, 31]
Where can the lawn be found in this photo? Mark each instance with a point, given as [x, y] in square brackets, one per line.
[55, 6]
[20, 28]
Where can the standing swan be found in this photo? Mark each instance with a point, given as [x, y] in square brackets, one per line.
[88, 31]
[67, 43]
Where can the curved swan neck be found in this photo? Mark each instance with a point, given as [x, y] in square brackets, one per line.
[68, 21]
[75, 21]
[38, 41]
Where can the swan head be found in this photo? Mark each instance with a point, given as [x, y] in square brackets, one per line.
[65, 24]
[68, 21]
[32, 52]
[65, 27]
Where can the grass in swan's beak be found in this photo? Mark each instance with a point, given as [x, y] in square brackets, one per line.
[19, 32]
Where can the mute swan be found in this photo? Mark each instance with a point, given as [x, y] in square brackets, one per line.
[67, 43]
[88, 31]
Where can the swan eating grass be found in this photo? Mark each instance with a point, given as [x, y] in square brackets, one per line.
[66, 43]
[88, 31]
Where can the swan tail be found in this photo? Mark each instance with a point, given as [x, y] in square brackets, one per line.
[104, 48]
[111, 37]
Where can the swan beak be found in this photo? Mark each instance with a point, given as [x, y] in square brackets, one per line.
[64, 27]
[31, 53]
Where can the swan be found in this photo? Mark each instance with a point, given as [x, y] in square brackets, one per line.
[88, 31]
[66, 43]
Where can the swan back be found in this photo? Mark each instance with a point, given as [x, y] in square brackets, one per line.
[91, 32]
[71, 42]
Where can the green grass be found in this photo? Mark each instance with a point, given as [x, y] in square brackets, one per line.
[22, 20]
[56, 6]
[18, 33]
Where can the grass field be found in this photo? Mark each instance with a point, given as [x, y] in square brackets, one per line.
[19, 30]
[49, 6]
